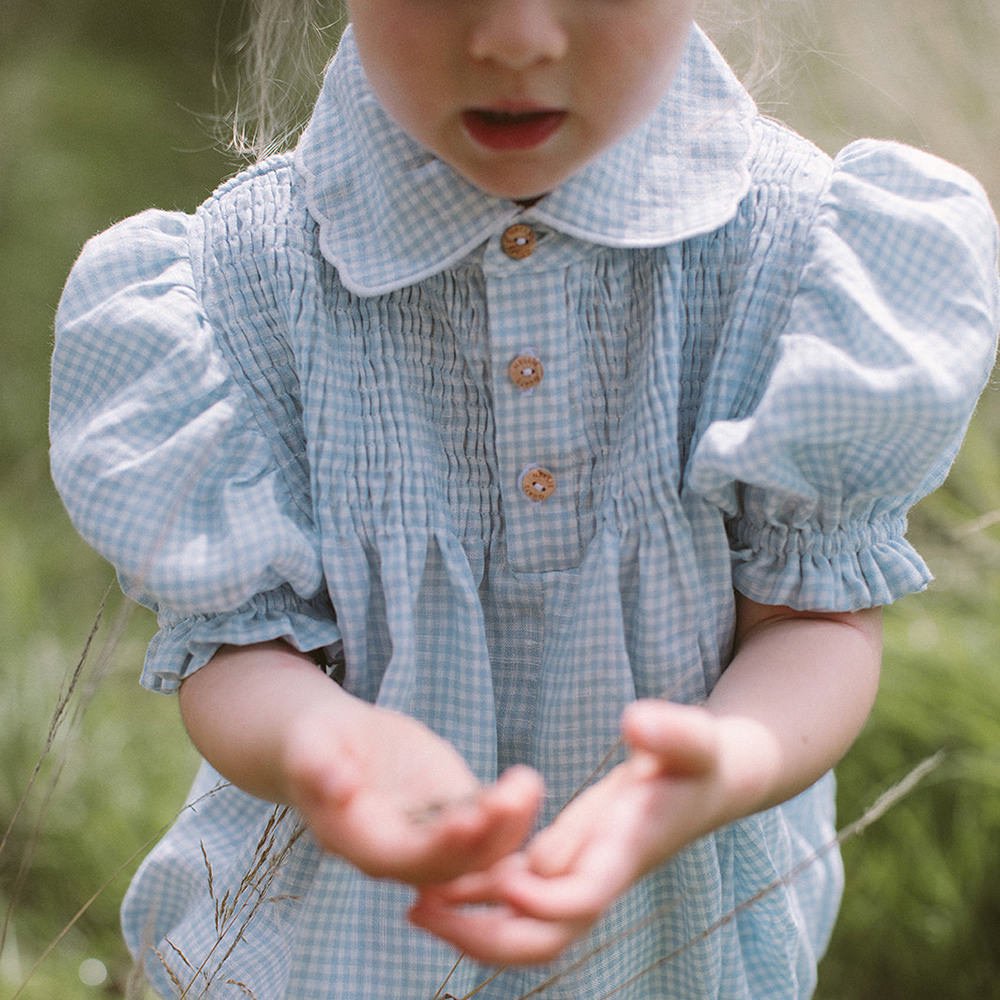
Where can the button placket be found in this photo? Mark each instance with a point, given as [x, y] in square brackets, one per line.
[534, 415]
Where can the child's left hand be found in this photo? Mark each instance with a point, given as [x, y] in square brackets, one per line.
[671, 790]
[785, 710]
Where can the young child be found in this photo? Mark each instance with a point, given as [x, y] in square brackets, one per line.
[516, 470]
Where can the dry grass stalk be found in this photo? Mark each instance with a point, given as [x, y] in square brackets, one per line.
[234, 912]
[78, 689]
[242, 987]
[70, 684]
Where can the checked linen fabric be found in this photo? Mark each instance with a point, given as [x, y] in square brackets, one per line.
[290, 414]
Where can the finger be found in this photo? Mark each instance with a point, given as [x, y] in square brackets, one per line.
[378, 837]
[468, 836]
[683, 738]
[514, 797]
[441, 852]
[554, 850]
[509, 810]
[583, 895]
[475, 836]
[496, 935]
[519, 790]
[486, 886]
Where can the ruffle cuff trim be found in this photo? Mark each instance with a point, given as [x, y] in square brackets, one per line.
[184, 644]
[844, 570]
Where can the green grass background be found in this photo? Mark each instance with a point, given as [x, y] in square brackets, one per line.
[105, 110]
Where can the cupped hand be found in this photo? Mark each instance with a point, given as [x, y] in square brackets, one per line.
[668, 792]
[387, 794]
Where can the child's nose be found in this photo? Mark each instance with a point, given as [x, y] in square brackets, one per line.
[518, 33]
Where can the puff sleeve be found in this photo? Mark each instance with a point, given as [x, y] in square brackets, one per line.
[162, 464]
[888, 342]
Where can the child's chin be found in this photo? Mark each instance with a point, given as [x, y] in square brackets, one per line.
[501, 187]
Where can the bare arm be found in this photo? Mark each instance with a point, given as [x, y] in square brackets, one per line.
[272, 723]
[240, 709]
[791, 702]
[793, 699]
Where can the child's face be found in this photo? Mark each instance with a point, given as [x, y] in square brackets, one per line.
[518, 95]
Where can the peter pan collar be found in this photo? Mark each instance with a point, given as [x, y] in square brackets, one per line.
[391, 214]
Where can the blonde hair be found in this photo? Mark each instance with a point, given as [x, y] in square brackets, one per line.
[287, 43]
[282, 53]
[760, 39]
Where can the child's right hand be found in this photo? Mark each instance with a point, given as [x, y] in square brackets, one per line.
[374, 786]
[387, 794]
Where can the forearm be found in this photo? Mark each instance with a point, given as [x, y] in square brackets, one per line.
[240, 708]
[276, 726]
[793, 700]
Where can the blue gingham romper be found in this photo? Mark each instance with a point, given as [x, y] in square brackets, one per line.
[508, 464]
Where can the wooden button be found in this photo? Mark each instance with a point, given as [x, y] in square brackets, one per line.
[518, 241]
[538, 484]
[525, 371]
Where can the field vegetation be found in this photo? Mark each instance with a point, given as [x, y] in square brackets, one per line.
[107, 110]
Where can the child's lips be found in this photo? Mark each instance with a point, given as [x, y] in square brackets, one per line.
[502, 129]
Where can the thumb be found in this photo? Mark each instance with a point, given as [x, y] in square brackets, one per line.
[683, 739]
